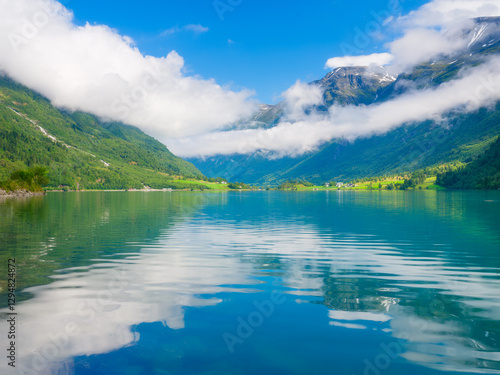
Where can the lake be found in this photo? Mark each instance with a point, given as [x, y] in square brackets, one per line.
[271, 282]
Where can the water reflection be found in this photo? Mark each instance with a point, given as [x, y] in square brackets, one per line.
[389, 267]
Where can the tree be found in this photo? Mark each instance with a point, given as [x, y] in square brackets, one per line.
[419, 177]
[32, 176]
[22, 175]
[40, 176]
[32, 179]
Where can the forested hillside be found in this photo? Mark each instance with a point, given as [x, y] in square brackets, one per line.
[482, 173]
[79, 149]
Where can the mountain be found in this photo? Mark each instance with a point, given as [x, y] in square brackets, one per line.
[80, 149]
[342, 86]
[404, 149]
[354, 85]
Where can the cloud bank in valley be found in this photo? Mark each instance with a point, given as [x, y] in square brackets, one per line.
[93, 68]
[476, 88]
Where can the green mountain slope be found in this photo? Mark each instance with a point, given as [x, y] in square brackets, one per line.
[80, 150]
[482, 173]
[404, 149]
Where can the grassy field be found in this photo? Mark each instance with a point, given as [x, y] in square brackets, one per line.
[209, 185]
[428, 184]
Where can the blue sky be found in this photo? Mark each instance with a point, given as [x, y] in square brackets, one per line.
[260, 45]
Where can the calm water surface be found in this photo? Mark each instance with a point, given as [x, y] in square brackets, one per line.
[253, 283]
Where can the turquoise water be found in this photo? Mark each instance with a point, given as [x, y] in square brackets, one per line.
[253, 282]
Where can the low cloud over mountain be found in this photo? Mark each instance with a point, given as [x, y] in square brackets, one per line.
[478, 87]
[439, 29]
[93, 68]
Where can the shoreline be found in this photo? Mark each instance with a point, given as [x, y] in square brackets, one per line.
[20, 193]
[114, 190]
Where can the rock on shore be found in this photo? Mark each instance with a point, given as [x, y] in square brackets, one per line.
[20, 193]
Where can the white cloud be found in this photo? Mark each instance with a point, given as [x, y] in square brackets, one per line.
[477, 87]
[377, 59]
[300, 98]
[437, 28]
[195, 28]
[448, 12]
[407, 54]
[93, 68]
